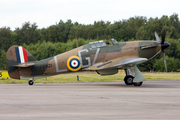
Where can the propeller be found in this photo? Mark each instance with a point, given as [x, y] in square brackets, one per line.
[164, 60]
[164, 45]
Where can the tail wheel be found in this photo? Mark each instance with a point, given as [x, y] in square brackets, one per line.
[128, 80]
[31, 82]
[137, 84]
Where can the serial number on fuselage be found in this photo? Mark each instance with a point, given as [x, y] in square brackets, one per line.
[45, 66]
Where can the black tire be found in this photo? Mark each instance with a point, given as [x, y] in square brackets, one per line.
[137, 84]
[128, 80]
[31, 82]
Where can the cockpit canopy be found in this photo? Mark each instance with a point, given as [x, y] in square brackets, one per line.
[101, 43]
[97, 44]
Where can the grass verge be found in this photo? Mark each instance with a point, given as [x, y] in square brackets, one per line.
[70, 78]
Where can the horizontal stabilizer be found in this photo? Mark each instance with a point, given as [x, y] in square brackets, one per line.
[25, 65]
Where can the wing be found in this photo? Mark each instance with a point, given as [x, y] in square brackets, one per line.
[122, 63]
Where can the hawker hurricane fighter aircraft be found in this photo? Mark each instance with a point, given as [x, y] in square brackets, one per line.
[95, 56]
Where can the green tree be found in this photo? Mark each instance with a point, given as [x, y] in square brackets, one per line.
[2, 60]
[5, 38]
[127, 29]
[27, 34]
[174, 21]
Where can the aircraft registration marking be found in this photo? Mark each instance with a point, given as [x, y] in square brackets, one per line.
[57, 67]
[87, 58]
[45, 66]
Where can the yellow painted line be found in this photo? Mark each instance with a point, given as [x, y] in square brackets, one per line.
[4, 74]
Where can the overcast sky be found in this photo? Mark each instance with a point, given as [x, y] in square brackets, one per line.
[13, 13]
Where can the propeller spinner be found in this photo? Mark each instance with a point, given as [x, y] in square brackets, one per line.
[164, 45]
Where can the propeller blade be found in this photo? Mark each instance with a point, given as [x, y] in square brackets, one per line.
[164, 60]
[164, 45]
[157, 37]
[163, 37]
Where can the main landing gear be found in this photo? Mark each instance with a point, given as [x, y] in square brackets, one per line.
[128, 79]
[31, 82]
[137, 84]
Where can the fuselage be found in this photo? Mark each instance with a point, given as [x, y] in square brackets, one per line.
[90, 55]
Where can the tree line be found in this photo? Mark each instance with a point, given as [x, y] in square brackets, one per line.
[58, 38]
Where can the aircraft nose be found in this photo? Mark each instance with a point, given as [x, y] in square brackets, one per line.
[165, 45]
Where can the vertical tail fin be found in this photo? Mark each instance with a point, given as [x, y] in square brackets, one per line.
[21, 55]
[17, 55]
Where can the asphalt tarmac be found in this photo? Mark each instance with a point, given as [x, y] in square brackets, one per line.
[96, 100]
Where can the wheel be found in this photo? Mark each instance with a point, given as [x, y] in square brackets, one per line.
[137, 84]
[31, 82]
[128, 80]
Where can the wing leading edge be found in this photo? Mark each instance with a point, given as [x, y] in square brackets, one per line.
[123, 63]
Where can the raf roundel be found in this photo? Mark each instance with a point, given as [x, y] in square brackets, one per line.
[73, 63]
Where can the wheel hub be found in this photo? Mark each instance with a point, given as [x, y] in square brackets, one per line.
[129, 80]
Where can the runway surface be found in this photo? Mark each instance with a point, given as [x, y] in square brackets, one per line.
[96, 100]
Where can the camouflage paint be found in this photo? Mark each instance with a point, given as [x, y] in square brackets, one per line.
[99, 58]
